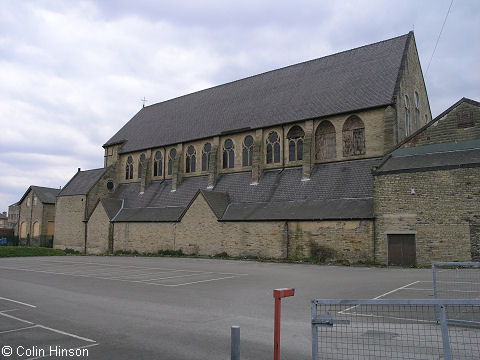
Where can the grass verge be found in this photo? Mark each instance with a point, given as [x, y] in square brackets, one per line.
[18, 251]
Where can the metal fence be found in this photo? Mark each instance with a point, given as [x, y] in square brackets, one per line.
[39, 241]
[395, 329]
[456, 280]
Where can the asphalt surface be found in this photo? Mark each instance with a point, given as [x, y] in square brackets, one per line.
[169, 308]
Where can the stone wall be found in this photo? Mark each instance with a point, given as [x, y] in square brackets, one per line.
[199, 232]
[451, 127]
[98, 231]
[442, 209]
[411, 81]
[350, 240]
[69, 224]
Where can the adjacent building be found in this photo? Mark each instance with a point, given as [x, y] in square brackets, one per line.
[36, 220]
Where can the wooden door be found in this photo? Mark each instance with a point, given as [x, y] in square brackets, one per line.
[401, 249]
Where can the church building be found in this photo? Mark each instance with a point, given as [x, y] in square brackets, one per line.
[283, 164]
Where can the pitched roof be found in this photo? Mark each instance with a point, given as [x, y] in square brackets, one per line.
[112, 206]
[340, 190]
[432, 157]
[82, 182]
[45, 195]
[3, 217]
[329, 209]
[352, 80]
[218, 201]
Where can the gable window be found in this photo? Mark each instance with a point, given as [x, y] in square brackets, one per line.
[295, 138]
[207, 148]
[140, 165]
[417, 109]
[465, 119]
[247, 153]
[171, 158]
[325, 141]
[157, 164]
[129, 168]
[34, 200]
[190, 160]
[228, 154]
[273, 148]
[407, 116]
[29, 202]
[353, 136]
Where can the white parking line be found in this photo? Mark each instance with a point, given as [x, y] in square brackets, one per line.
[131, 281]
[14, 330]
[17, 302]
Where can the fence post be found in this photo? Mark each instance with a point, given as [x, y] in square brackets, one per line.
[314, 332]
[445, 338]
[235, 343]
[278, 294]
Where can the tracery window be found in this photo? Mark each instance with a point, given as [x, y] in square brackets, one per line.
[129, 168]
[295, 138]
[273, 148]
[141, 163]
[353, 136]
[207, 148]
[190, 160]
[325, 141]
[247, 153]
[407, 116]
[228, 154]
[171, 158]
[157, 164]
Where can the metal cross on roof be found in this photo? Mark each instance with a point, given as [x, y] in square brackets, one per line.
[144, 101]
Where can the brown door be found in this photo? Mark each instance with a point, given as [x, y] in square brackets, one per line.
[401, 249]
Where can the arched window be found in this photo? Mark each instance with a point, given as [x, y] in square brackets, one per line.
[207, 148]
[273, 148]
[407, 117]
[36, 229]
[129, 168]
[353, 136]
[190, 160]
[325, 141]
[171, 158]
[140, 165]
[247, 153]
[157, 164]
[23, 229]
[417, 109]
[228, 154]
[295, 143]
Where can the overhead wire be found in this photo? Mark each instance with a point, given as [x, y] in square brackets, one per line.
[439, 35]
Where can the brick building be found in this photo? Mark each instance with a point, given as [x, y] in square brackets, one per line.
[277, 165]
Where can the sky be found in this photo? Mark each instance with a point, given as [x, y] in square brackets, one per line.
[72, 73]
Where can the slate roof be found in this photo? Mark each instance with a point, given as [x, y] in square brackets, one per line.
[45, 195]
[112, 206]
[432, 157]
[361, 78]
[3, 217]
[342, 190]
[82, 182]
[329, 209]
[218, 201]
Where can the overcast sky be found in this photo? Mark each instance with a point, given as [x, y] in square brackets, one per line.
[72, 73]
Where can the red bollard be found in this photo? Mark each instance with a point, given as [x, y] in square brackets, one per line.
[278, 294]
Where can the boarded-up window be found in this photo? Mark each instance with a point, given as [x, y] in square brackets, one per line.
[36, 229]
[23, 229]
[325, 141]
[465, 119]
[50, 228]
[353, 136]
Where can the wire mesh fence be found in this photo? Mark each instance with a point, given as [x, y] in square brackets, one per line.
[395, 329]
[39, 241]
[456, 280]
